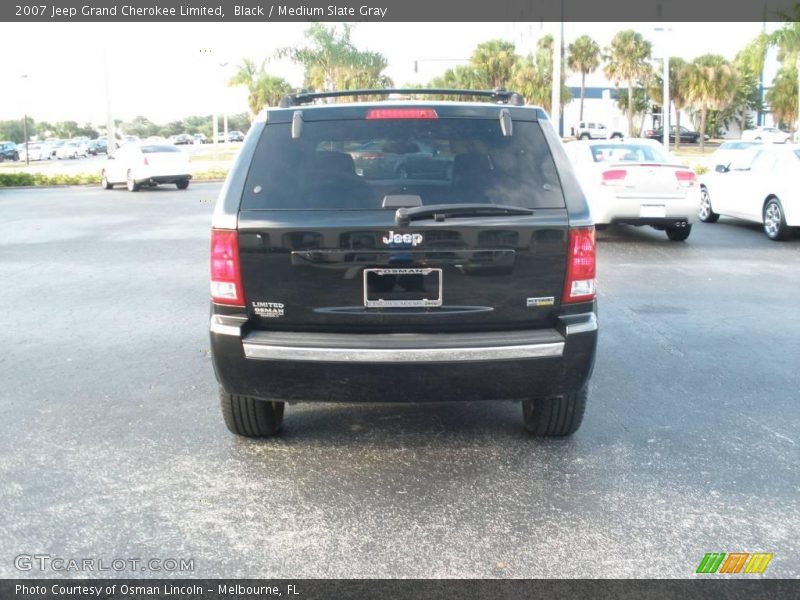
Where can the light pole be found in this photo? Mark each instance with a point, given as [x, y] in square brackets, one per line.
[25, 121]
[665, 100]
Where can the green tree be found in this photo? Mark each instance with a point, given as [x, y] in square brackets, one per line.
[534, 76]
[331, 60]
[787, 40]
[782, 97]
[712, 86]
[584, 58]
[493, 63]
[263, 89]
[627, 59]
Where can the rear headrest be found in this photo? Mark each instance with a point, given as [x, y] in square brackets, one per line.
[334, 162]
[469, 167]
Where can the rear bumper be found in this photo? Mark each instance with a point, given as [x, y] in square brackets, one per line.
[608, 209]
[404, 367]
[162, 178]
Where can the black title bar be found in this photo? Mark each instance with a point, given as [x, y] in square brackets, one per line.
[400, 10]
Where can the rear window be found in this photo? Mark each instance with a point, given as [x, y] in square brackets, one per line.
[355, 164]
[628, 153]
[153, 148]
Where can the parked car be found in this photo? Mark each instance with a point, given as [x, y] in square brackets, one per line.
[687, 135]
[760, 186]
[636, 183]
[591, 130]
[145, 163]
[35, 152]
[54, 145]
[235, 136]
[771, 135]
[729, 151]
[221, 139]
[181, 139]
[326, 286]
[388, 159]
[71, 150]
[98, 146]
[8, 151]
[200, 138]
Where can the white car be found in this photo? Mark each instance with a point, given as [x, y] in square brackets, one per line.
[771, 135]
[761, 186]
[141, 164]
[636, 182]
[71, 150]
[35, 152]
[591, 130]
[730, 151]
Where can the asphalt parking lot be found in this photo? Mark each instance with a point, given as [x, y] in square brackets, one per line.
[112, 445]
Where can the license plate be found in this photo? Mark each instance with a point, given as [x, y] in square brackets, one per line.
[394, 288]
[652, 211]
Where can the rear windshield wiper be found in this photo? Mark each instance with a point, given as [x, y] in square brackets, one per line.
[440, 212]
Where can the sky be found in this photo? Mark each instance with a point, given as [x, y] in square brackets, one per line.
[167, 71]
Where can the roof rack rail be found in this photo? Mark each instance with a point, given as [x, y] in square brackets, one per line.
[496, 95]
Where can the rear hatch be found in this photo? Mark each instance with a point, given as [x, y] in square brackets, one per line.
[469, 235]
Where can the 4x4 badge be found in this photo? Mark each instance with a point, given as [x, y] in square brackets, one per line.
[403, 238]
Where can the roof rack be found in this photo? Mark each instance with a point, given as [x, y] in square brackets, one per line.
[497, 95]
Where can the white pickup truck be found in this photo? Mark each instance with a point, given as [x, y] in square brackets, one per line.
[592, 130]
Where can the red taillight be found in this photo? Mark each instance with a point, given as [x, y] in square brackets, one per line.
[580, 282]
[226, 279]
[614, 176]
[402, 113]
[686, 178]
[370, 155]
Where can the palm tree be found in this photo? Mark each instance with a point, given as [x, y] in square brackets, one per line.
[787, 39]
[533, 76]
[712, 85]
[262, 89]
[494, 63]
[584, 58]
[782, 96]
[628, 60]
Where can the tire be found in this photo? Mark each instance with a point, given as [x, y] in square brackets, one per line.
[558, 416]
[616, 136]
[774, 221]
[584, 136]
[251, 417]
[131, 183]
[104, 183]
[182, 184]
[706, 213]
[16, 157]
[678, 234]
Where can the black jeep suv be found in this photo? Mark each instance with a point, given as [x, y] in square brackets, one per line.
[475, 281]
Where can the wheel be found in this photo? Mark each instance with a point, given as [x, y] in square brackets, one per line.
[584, 136]
[16, 156]
[182, 184]
[758, 139]
[678, 234]
[561, 415]
[251, 417]
[616, 136]
[104, 183]
[706, 213]
[775, 226]
[131, 183]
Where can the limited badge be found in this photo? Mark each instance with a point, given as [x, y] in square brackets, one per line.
[543, 301]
